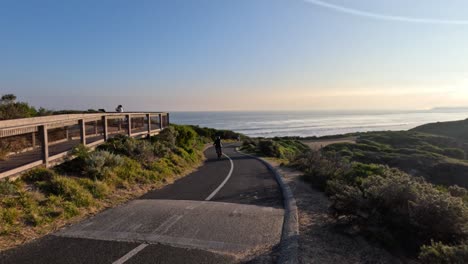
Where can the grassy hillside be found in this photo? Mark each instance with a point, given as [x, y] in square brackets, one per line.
[455, 129]
[439, 159]
[374, 192]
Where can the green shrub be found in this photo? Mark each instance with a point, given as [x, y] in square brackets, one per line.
[159, 149]
[438, 253]
[10, 215]
[81, 152]
[70, 209]
[457, 191]
[411, 209]
[115, 145]
[248, 145]
[100, 163]
[268, 148]
[438, 215]
[186, 137]
[98, 189]
[431, 148]
[8, 187]
[33, 215]
[204, 132]
[11, 109]
[163, 166]
[228, 134]
[190, 157]
[70, 190]
[142, 150]
[318, 170]
[129, 170]
[168, 137]
[38, 174]
[76, 163]
[455, 153]
[388, 204]
[432, 157]
[132, 171]
[53, 206]
[360, 171]
[209, 134]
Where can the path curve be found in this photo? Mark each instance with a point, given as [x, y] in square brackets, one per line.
[243, 218]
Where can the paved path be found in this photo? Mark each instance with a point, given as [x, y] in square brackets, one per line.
[228, 209]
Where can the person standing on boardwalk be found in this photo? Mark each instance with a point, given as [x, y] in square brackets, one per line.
[119, 109]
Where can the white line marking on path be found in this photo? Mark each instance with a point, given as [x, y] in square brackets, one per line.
[130, 254]
[174, 219]
[224, 182]
[164, 227]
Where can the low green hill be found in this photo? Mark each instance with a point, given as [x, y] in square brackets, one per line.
[455, 129]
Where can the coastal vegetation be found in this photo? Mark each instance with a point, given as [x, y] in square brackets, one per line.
[404, 190]
[439, 159]
[10, 108]
[43, 200]
[453, 129]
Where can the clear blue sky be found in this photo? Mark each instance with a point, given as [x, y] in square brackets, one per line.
[235, 54]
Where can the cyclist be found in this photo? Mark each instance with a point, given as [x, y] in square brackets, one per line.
[218, 145]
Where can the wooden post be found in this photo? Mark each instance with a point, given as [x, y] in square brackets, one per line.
[104, 128]
[95, 128]
[129, 120]
[45, 144]
[82, 124]
[160, 121]
[148, 116]
[33, 139]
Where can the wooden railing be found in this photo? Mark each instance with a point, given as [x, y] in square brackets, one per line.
[29, 142]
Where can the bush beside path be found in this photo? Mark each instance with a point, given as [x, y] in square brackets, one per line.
[405, 214]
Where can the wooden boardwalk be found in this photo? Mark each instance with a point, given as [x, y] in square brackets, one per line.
[90, 130]
[17, 160]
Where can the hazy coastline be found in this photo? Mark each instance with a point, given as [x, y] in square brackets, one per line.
[315, 123]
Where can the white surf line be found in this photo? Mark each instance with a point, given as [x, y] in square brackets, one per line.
[130, 254]
[224, 182]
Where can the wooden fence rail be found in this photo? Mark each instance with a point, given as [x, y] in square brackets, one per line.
[30, 142]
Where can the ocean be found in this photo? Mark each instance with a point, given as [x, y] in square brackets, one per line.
[314, 123]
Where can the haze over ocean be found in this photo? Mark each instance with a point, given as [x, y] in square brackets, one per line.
[314, 123]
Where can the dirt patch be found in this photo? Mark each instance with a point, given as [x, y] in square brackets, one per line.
[321, 143]
[319, 240]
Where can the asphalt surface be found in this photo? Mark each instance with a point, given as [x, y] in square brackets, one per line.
[228, 209]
